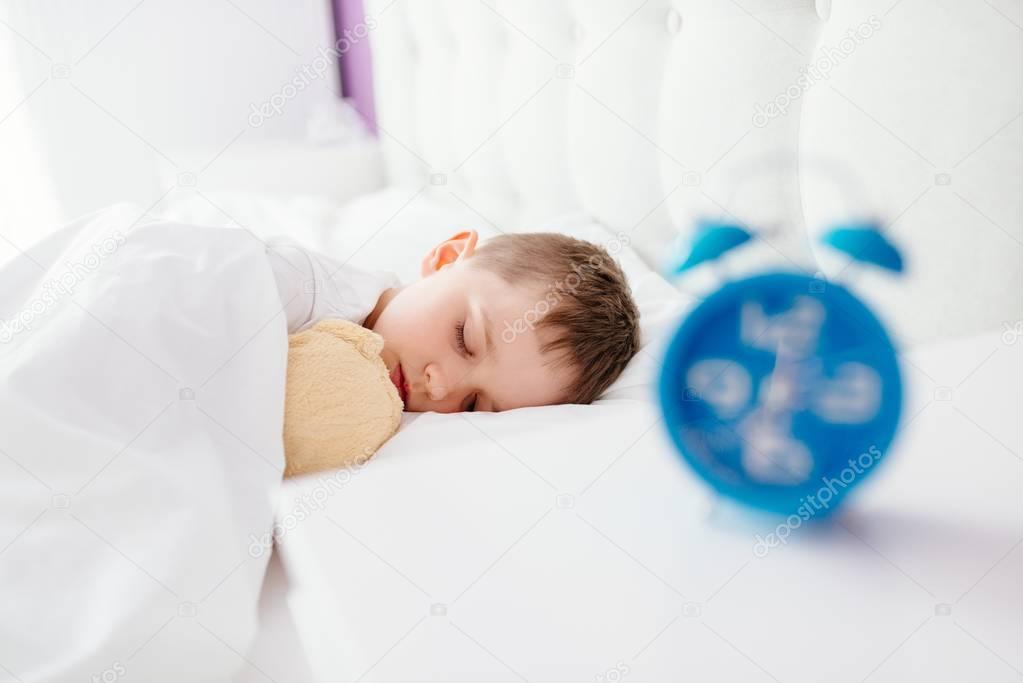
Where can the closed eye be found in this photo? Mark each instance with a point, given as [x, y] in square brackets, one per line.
[460, 339]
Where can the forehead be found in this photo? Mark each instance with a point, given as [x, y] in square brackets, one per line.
[516, 373]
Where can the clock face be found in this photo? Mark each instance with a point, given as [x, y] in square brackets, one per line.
[782, 391]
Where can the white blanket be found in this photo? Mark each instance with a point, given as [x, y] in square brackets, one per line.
[141, 402]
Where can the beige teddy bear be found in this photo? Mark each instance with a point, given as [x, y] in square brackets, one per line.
[340, 404]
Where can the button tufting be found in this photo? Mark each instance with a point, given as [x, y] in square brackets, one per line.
[673, 21]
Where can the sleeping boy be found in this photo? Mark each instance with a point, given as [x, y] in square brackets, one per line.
[519, 320]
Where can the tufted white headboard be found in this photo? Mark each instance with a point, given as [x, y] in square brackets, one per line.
[788, 115]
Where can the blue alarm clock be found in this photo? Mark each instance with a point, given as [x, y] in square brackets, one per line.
[781, 390]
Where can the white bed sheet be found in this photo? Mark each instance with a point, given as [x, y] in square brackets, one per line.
[558, 544]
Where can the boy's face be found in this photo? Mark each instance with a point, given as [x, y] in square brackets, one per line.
[425, 324]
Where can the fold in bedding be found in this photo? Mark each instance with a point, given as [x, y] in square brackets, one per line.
[142, 370]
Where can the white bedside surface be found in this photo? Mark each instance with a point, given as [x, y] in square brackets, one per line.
[916, 579]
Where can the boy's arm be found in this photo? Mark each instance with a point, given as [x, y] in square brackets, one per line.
[313, 286]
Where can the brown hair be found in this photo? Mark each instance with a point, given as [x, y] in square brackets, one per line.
[586, 302]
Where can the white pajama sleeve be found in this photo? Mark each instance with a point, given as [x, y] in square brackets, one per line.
[313, 286]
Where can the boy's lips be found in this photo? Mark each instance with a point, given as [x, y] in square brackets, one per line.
[398, 379]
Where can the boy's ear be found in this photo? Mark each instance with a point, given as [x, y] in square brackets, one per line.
[455, 248]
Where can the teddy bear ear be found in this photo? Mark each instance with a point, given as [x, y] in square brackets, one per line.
[367, 342]
[370, 344]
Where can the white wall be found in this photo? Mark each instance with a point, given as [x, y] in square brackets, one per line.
[98, 99]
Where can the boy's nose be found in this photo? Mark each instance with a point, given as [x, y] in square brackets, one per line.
[436, 388]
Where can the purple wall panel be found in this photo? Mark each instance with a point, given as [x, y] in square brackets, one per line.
[356, 62]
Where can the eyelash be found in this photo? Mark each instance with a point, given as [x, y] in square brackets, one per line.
[460, 339]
